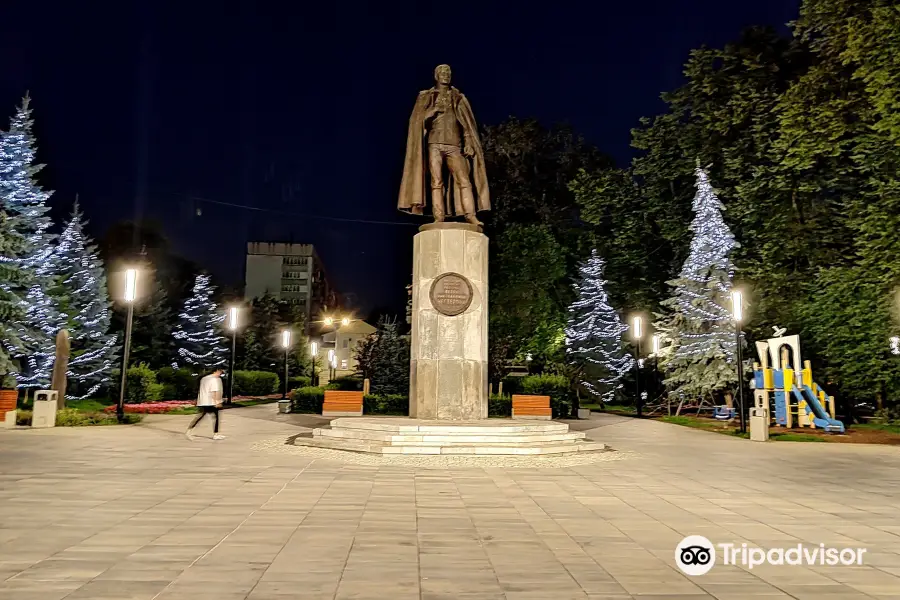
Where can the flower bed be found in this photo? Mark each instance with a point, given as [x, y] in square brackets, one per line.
[153, 408]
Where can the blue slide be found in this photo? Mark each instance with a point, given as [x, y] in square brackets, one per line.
[821, 419]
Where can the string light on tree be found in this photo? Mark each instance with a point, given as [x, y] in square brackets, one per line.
[699, 324]
[31, 338]
[594, 333]
[85, 298]
[200, 344]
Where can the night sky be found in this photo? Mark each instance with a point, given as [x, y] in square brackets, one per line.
[299, 110]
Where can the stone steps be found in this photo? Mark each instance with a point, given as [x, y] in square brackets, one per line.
[491, 437]
[521, 448]
[434, 439]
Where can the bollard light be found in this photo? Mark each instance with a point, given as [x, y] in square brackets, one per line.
[286, 338]
[656, 339]
[313, 349]
[637, 328]
[233, 318]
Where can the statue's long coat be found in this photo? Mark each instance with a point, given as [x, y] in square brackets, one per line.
[414, 189]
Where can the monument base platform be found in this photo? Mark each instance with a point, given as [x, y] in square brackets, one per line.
[399, 435]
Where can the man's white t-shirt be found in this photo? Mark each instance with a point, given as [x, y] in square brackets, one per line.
[210, 391]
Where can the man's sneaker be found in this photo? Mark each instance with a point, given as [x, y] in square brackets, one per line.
[218, 436]
[189, 435]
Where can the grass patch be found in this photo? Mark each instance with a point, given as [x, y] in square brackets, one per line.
[795, 437]
[890, 428]
[89, 404]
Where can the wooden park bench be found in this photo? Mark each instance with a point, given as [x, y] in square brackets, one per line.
[531, 407]
[342, 404]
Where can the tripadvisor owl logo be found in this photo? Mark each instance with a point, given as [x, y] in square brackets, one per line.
[695, 555]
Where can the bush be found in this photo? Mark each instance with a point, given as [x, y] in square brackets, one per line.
[500, 406]
[308, 400]
[555, 386]
[71, 417]
[298, 381]
[255, 383]
[141, 385]
[386, 404]
[512, 385]
[347, 383]
[178, 384]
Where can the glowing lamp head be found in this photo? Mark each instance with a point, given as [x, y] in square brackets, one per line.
[313, 349]
[131, 285]
[233, 318]
[286, 338]
[329, 321]
[737, 305]
[637, 325]
[656, 341]
[334, 361]
[331, 355]
[345, 321]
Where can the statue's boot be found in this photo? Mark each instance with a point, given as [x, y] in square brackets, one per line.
[468, 202]
[437, 204]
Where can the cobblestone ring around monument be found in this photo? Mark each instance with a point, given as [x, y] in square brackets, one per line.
[451, 294]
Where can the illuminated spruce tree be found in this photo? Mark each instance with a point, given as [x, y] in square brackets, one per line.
[200, 343]
[699, 331]
[25, 203]
[12, 244]
[594, 333]
[84, 300]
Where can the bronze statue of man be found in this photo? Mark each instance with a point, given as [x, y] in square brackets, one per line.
[442, 131]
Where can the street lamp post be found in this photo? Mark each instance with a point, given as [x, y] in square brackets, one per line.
[286, 342]
[314, 353]
[737, 312]
[233, 325]
[130, 295]
[657, 342]
[638, 332]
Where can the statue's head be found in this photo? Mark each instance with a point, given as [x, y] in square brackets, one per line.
[442, 74]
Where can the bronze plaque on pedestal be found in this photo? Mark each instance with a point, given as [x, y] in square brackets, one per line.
[451, 294]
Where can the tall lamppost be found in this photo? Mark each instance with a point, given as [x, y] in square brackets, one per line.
[129, 297]
[232, 325]
[637, 332]
[656, 341]
[737, 313]
[314, 354]
[286, 342]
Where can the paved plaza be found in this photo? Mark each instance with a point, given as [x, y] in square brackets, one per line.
[138, 513]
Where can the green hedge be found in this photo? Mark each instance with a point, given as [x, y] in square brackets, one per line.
[71, 417]
[255, 383]
[347, 383]
[386, 404]
[141, 385]
[297, 381]
[500, 406]
[308, 400]
[555, 386]
[179, 384]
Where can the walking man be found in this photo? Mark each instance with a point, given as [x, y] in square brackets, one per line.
[208, 402]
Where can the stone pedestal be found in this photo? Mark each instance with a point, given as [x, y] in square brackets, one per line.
[449, 352]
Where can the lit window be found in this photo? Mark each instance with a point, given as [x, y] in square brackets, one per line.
[346, 343]
[343, 363]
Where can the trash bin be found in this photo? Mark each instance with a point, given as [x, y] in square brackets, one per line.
[44, 414]
[759, 424]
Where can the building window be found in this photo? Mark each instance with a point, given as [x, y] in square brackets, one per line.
[295, 260]
[346, 343]
[344, 363]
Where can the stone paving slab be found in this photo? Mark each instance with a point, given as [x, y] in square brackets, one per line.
[142, 513]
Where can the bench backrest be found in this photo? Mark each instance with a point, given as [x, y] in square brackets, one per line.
[339, 401]
[523, 404]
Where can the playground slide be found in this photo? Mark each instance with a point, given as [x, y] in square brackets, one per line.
[821, 418]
